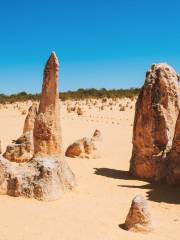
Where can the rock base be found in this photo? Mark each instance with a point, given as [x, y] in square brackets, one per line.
[44, 179]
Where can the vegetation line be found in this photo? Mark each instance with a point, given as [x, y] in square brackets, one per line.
[80, 94]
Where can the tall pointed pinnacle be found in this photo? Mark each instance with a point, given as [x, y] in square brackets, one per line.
[47, 129]
[46, 175]
[50, 92]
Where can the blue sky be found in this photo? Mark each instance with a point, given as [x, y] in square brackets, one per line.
[100, 43]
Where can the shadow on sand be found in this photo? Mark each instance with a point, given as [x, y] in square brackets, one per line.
[113, 173]
[156, 192]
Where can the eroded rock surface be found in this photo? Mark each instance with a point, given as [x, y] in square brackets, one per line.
[47, 128]
[173, 174]
[139, 218]
[157, 108]
[22, 149]
[47, 175]
[82, 148]
[30, 119]
[97, 135]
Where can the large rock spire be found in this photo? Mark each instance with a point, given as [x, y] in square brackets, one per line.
[47, 129]
[46, 175]
[156, 113]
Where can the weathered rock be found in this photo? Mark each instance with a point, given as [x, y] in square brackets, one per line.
[23, 148]
[157, 108]
[122, 109]
[139, 218]
[47, 129]
[97, 135]
[82, 148]
[30, 119]
[173, 175]
[47, 175]
[38, 178]
[79, 111]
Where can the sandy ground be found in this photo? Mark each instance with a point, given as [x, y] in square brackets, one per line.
[100, 203]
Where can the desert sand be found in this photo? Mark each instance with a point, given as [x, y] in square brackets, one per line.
[99, 204]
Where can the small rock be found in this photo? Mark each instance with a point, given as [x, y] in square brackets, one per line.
[97, 135]
[122, 109]
[139, 218]
[83, 148]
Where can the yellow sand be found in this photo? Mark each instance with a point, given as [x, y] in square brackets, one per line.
[100, 203]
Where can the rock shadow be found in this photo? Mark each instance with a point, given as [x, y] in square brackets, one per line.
[113, 173]
[159, 192]
[156, 192]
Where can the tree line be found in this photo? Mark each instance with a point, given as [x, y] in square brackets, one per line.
[80, 94]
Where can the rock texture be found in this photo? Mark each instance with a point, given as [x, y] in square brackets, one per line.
[173, 175]
[38, 178]
[30, 119]
[157, 108]
[139, 218]
[47, 129]
[22, 149]
[82, 148]
[46, 176]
